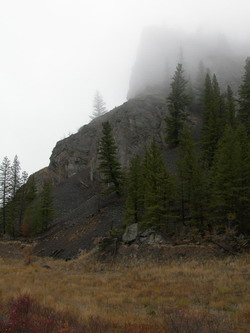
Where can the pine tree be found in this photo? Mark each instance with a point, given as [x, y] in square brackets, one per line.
[109, 166]
[192, 187]
[15, 176]
[199, 84]
[244, 98]
[5, 190]
[46, 211]
[231, 180]
[230, 108]
[21, 197]
[99, 106]
[214, 119]
[177, 103]
[134, 192]
[13, 205]
[158, 190]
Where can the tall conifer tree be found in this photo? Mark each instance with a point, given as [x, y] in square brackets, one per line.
[231, 179]
[214, 118]
[158, 190]
[134, 192]
[230, 108]
[244, 98]
[109, 167]
[177, 103]
[192, 186]
[5, 190]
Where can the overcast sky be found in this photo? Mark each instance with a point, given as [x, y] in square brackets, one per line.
[54, 54]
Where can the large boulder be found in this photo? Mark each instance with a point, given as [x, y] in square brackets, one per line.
[130, 233]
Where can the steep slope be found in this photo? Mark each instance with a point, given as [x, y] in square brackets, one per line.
[82, 213]
[134, 124]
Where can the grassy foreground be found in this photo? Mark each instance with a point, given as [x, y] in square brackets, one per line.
[191, 296]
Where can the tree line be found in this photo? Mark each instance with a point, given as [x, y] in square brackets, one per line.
[210, 187]
[23, 211]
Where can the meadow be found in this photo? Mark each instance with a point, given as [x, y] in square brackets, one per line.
[178, 296]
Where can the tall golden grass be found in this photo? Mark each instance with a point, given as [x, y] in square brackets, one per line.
[135, 293]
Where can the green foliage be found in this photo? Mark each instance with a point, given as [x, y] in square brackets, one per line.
[231, 180]
[244, 98]
[46, 211]
[109, 166]
[191, 182]
[214, 119]
[39, 213]
[230, 108]
[134, 192]
[158, 190]
[177, 103]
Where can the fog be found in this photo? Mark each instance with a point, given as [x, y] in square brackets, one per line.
[162, 48]
[56, 53]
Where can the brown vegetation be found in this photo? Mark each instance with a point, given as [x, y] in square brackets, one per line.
[203, 296]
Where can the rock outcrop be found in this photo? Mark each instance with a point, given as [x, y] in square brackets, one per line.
[134, 124]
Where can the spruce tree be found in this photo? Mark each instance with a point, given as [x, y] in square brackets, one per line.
[134, 192]
[109, 166]
[15, 176]
[177, 103]
[214, 118]
[231, 180]
[192, 185]
[13, 205]
[199, 84]
[244, 98]
[5, 190]
[99, 106]
[46, 211]
[158, 190]
[230, 108]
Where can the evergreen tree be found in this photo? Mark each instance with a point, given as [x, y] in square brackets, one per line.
[214, 119]
[231, 179]
[13, 205]
[177, 103]
[244, 98]
[192, 187]
[5, 190]
[21, 197]
[199, 84]
[230, 108]
[46, 211]
[158, 190]
[109, 166]
[134, 192]
[15, 176]
[99, 106]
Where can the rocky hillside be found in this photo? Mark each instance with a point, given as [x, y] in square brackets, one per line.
[134, 124]
[82, 213]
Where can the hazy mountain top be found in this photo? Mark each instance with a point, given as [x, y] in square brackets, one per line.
[161, 49]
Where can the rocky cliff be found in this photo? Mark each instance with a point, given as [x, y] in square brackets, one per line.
[134, 125]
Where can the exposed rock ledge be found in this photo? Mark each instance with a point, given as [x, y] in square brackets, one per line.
[134, 125]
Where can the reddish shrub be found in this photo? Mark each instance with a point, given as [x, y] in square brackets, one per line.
[27, 316]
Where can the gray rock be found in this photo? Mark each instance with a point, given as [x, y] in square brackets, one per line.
[130, 233]
[134, 124]
[147, 233]
[152, 238]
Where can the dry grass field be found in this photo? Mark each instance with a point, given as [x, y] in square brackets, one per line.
[179, 294]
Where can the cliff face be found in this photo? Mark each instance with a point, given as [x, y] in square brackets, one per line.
[134, 124]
